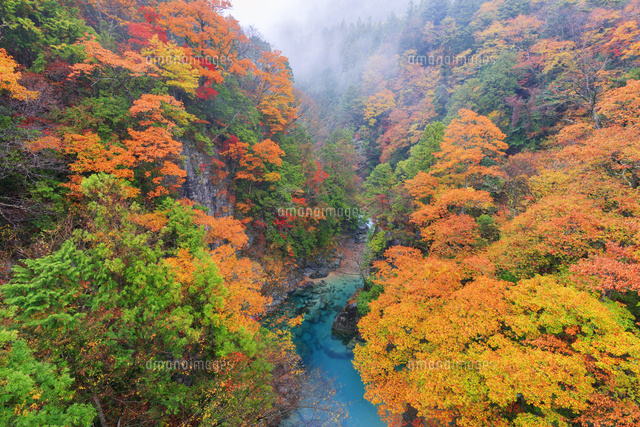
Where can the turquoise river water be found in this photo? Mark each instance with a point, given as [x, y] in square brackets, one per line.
[321, 351]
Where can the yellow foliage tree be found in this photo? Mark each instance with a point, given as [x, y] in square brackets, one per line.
[9, 78]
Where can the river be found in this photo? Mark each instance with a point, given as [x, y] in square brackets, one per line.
[320, 350]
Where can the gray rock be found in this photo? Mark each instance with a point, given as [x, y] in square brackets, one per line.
[319, 274]
[198, 185]
[352, 344]
[346, 322]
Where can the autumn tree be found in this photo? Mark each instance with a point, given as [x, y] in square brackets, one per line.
[35, 392]
[580, 66]
[9, 78]
[470, 150]
[615, 270]
[450, 195]
[153, 150]
[519, 34]
[208, 34]
[162, 119]
[443, 215]
[442, 349]
[191, 303]
[172, 70]
[250, 162]
[554, 232]
[109, 70]
[273, 91]
[378, 105]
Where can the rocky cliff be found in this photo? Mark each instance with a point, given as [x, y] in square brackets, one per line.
[201, 186]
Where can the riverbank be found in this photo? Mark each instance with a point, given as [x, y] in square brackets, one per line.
[344, 259]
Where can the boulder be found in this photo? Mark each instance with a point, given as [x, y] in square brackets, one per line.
[346, 322]
[319, 274]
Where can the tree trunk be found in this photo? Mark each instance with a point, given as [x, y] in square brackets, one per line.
[103, 421]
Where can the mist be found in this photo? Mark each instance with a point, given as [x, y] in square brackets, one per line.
[297, 27]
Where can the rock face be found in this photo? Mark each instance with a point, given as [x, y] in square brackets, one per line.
[346, 322]
[199, 185]
[285, 288]
[360, 234]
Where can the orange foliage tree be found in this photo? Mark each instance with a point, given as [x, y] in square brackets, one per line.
[486, 353]
[441, 214]
[451, 191]
[102, 65]
[155, 146]
[251, 162]
[153, 150]
[617, 269]
[273, 93]
[207, 34]
[9, 78]
[556, 231]
[470, 151]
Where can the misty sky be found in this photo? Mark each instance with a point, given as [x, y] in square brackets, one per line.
[271, 17]
[285, 23]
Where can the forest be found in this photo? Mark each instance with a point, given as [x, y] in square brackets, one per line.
[167, 179]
